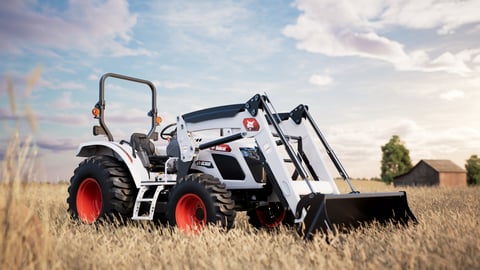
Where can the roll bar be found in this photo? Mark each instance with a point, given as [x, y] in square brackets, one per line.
[102, 128]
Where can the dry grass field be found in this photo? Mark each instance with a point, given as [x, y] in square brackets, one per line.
[37, 233]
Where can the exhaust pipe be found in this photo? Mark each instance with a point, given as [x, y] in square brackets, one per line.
[329, 212]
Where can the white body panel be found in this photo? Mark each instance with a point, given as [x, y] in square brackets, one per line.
[122, 152]
[266, 142]
[205, 157]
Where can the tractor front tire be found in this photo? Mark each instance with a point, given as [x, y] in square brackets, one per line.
[101, 188]
[198, 200]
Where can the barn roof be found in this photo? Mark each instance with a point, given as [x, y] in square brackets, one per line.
[439, 165]
[443, 165]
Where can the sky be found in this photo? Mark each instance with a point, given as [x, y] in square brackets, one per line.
[367, 69]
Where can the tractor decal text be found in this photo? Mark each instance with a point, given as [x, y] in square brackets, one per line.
[204, 163]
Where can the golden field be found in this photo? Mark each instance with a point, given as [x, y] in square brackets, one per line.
[37, 233]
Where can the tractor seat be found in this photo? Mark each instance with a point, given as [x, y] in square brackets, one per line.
[146, 151]
[143, 146]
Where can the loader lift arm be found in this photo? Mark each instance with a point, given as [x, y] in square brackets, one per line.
[297, 114]
[274, 120]
[301, 111]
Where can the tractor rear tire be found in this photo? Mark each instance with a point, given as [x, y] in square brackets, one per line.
[101, 189]
[270, 216]
[198, 200]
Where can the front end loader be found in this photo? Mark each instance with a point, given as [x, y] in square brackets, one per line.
[217, 161]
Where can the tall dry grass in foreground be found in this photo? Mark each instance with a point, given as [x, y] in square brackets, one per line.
[23, 238]
[447, 237]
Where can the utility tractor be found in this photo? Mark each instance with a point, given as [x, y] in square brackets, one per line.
[215, 162]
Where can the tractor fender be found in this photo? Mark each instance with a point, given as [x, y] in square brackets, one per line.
[122, 152]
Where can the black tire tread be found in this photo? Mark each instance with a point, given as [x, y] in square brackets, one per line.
[224, 206]
[120, 193]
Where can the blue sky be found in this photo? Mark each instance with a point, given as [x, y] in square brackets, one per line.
[367, 69]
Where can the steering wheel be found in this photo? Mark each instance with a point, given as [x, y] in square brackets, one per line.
[167, 132]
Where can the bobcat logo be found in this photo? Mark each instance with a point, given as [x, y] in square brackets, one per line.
[251, 124]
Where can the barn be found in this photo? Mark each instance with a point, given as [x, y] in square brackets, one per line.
[433, 173]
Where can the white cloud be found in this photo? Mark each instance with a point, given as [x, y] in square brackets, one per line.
[170, 84]
[202, 17]
[88, 26]
[360, 143]
[56, 144]
[452, 95]
[70, 119]
[358, 28]
[64, 85]
[445, 16]
[6, 114]
[65, 101]
[216, 27]
[93, 77]
[320, 80]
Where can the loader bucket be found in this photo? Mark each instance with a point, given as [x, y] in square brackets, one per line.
[328, 213]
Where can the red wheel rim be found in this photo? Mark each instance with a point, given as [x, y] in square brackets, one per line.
[271, 217]
[89, 200]
[190, 213]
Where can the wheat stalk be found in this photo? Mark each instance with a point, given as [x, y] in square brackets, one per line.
[19, 224]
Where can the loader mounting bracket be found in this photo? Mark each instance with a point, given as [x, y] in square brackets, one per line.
[253, 104]
[316, 217]
[298, 113]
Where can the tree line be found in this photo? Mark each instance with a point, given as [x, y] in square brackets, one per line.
[396, 161]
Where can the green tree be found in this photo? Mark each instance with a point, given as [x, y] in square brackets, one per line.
[473, 170]
[395, 159]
